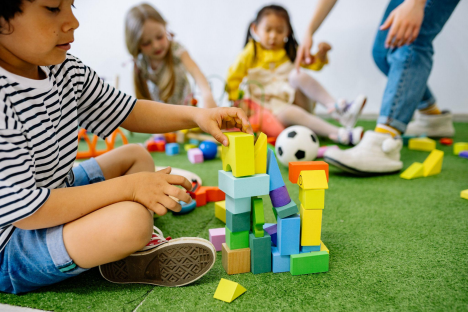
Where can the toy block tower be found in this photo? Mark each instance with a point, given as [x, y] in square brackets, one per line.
[246, 248]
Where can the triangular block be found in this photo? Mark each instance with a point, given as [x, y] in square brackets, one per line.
[416, 170]
[276, 180]
[464, 194]
[433, 163]
[228, 290]
[260, 154]
[313, 180]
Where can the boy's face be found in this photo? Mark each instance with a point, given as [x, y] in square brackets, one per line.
[41, 35]
[154, 42]
[272, 30]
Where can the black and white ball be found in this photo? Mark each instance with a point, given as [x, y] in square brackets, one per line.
[296, 143]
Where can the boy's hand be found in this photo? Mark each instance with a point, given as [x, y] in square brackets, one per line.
[405, 22]
[214, 119]
[152, 190]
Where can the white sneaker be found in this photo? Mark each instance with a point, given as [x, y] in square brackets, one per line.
[350, 137]
[377, 153]
[432, 125]
[347, 113]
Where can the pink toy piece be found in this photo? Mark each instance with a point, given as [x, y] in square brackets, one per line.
[280, 197]
[195, 155]
[322, 150]
[218, 237]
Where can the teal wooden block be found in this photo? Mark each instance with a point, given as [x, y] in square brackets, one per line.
[258, 217]
[237, 240]
[256, 185]
[286, 211]
[406, 137]
[279, 263]
[305, 249]
[312, 262]
[238, 222]
[276, 180]
[260, 253]
[238, 205]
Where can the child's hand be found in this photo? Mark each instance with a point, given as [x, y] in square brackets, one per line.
[405, 22]
[214, 119]
[152, 190]
[303, 55]
[323, 49]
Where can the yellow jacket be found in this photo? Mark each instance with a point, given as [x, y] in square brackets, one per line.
[266, 59]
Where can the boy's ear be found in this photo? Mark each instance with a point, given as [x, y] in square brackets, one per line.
[5, 27]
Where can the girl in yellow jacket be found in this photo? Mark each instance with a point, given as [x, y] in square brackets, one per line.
[267, 60]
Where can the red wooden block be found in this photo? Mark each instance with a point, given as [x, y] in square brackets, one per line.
[271, 140]
[151, 146]
[446, 141]
[207, 194]
[160, 146]
[295, 168]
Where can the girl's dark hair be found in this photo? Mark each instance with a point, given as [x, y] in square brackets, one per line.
[8, 10]
[291, 44]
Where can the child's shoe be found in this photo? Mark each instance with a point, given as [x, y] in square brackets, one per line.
[164, 262]
[347, 113]
[437, 126]
[349, 137]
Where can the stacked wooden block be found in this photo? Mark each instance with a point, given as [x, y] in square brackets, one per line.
[243, 179]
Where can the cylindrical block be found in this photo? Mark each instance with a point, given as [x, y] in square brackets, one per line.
[280, 197]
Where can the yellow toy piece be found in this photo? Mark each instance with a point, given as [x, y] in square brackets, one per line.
[228, 290]
[260, 154]
[220, 210]
[312, 199]
[422, 144]
[313, 180]
[416, 170]
[433, 163]
[464, 194]
[189, 146]
[311, 226]
[239, 156]
[459, 147]
[324, 248]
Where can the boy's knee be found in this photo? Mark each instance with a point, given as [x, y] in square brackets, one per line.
[140, 155]
[134, 226]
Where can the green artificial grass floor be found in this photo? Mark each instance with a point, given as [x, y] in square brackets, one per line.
[394, 245]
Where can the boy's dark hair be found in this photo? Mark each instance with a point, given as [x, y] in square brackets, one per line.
[291, 44]
[8, 10]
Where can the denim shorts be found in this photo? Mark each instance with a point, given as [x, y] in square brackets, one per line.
[36, 258]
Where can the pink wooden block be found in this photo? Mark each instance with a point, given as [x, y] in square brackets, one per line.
[195, 155]
[322, 150]
[218, 237]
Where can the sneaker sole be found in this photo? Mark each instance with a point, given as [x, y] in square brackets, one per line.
[177, 263]
[343, 167]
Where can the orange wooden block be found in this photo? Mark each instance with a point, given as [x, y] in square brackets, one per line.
[170, 137]
[160, 146]
[271, 140]
[446, 141]
[295, 168]
[208, 194]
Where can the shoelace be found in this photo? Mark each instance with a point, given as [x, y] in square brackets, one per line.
[157, 238]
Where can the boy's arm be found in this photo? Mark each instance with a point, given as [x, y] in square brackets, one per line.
[200, 79]
[238, 71]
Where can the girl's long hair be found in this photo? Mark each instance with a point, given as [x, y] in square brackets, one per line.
[291, 44]
[134, 22]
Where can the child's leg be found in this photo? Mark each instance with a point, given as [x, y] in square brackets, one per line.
[312, 89]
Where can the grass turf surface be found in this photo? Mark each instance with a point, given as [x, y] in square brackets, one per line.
[394, 245]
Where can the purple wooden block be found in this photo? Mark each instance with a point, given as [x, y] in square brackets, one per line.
[463, 154]
[217, 237]
[280, 197]
[271, 229]
[195, 155]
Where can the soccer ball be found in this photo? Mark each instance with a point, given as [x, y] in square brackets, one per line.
[296, 143]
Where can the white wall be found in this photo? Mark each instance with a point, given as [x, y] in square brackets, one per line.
[214, 33]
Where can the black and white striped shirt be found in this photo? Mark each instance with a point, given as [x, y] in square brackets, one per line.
[39, 128]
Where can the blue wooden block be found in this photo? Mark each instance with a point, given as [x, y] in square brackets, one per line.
[172, 149]
[271, 229]
[238, 222]
[276, 180]
[260, 253]
[310, 248]
[238, 205]
[279, 263]
[286, 211]
[256, 185]
[289, 230]
[194, 142]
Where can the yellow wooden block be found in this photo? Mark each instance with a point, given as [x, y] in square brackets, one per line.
[416, 170]
[228, 290]
[311, 226]
[464, 194]
[313, 180]
[324, 248]
[433, 163]
[260, 153]
[239, 156]
[220, 210]
[421, 144]
[312, 199]
[459, 147]
[189, 146]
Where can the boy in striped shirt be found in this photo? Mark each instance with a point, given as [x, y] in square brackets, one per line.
[57, 221]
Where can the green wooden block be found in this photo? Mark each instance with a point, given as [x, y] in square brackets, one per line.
[260, 253]
[258, 217]
[237, 240]
[312, 262]
[238, 222]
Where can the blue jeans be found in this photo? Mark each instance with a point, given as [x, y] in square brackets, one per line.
[408, 67]
[36, 258]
